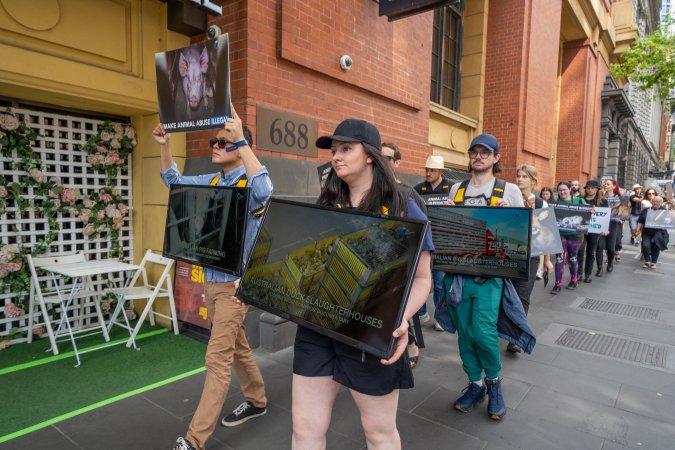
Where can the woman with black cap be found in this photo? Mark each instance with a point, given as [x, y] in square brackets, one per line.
[589, 246]
[360, 179]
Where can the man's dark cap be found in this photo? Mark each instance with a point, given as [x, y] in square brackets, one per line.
[352, 130]
[486, 140]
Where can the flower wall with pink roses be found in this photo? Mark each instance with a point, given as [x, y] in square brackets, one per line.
[35, 204]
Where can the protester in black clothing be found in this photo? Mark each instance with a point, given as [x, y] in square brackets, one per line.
[435, 182]
[653, 239]
[546, 194]
[635, 209]
[589, 246]
[392, 154]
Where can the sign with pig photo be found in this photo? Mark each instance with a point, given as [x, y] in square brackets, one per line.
[193, 86]
[545, 234]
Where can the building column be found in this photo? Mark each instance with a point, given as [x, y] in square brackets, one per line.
[521, 75]
[612, 160]
[583, 73]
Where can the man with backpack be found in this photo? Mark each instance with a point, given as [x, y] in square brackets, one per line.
[475, 315]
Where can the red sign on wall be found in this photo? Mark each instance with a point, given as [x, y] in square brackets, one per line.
[189, 295]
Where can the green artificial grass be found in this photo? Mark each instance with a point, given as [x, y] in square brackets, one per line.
[36, 350]
[43, 394]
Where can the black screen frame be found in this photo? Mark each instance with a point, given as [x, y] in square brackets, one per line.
[382, 353]
[240, 269]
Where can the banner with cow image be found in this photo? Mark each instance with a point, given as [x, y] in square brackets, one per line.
[572, 217]
[193, 86]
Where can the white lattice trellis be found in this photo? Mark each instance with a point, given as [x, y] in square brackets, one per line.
[60, 136]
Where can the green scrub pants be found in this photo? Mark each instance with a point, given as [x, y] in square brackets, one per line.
[476, 321]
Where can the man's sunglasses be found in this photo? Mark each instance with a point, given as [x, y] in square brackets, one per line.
[222, 142]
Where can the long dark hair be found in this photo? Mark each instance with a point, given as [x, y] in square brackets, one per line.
[597, 199]
[384, 191]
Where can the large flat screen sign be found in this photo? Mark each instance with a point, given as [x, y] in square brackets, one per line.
[660, 219]
[206, 226]
[481, 240]
[339, 272]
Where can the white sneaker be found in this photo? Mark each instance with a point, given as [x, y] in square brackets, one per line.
[540, 274]
[437, 327]
[424, 318]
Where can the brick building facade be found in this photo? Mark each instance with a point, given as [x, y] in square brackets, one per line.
[531, 73]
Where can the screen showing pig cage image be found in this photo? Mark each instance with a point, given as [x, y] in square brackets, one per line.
[206, 225]
[342, 273]
[193, 86]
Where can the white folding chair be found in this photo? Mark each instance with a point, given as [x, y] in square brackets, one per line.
[149, 292]
[50, 296]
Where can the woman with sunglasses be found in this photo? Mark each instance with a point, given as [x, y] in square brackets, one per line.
[571, 242]
[360, 179]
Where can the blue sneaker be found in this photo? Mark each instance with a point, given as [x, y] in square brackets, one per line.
[473, 394]
[496, 405]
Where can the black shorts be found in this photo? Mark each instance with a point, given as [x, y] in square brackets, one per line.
[317, 355]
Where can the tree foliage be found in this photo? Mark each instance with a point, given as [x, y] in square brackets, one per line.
[650, 61]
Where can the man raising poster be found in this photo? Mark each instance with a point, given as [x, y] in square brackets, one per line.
[228, 345]
[475, 315]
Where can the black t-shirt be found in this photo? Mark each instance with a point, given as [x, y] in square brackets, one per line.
[425, 188]
[635, 207]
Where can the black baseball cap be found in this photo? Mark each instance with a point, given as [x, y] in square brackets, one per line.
[593, 184]
[352, 130]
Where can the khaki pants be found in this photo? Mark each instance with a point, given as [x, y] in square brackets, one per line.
[227, 347]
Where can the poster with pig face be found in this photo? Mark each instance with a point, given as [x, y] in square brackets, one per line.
[545, 234]
[193, 86]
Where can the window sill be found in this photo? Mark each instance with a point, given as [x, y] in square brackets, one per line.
[452, 115]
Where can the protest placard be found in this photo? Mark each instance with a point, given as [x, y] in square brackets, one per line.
[545, 234]
[193, 86]
[661, 219]
[620, 206]
[340, 272]
[572, 217]
[600, 220]
[206, 226]
[481, 240]
[435, 199]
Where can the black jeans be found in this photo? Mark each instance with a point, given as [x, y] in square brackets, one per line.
[650, 250]
[609, 243]
[524, 287]
[588, 247]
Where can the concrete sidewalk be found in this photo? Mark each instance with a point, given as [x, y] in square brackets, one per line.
[602, 376]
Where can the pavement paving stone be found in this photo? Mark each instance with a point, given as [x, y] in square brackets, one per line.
[181, 397]
[583, 415]
[518, 430]
[563, 380]
[130, 423]
[648, 403]
[48, 438]
[609, 370]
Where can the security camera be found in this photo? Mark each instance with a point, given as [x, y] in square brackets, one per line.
[213, 31]
[345, 62]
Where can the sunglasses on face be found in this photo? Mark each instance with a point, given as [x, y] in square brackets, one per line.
[482, 154]
[222, 142]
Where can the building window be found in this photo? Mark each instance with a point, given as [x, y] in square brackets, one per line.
[446, 54]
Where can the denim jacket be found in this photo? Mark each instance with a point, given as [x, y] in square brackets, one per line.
[512, 324]
[261, 191]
